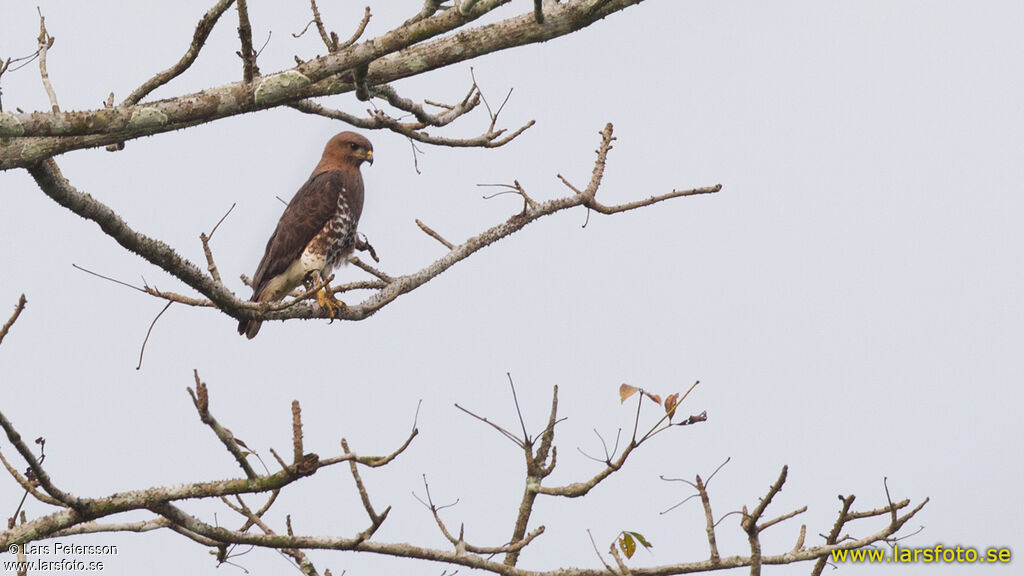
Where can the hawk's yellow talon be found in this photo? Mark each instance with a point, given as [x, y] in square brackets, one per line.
[328, 301]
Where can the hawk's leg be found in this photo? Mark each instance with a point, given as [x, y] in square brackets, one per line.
[325, 296]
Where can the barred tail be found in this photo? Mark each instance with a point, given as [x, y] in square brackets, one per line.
[250, 328]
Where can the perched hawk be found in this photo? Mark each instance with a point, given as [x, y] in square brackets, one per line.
[318, 228]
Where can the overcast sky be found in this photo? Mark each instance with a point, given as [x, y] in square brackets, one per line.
[850, 301]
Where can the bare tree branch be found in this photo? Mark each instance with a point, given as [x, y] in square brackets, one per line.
[438, 35]
[142, 349]
[83, 517]
[50, 180]
[537, 469]
[18, 308]
[579, 489]
[709, 519]
[199, 37]
[78, 511]
[460, 544]
[429, 8]
[430, 232]
[408, 50]
[377, 119]
[355, 35]
[329, 42]
[38, 473]
[30, 487]
[45, 43]
[248, 54]
[201, 399]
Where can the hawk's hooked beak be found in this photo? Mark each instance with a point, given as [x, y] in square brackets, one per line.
[368, 156]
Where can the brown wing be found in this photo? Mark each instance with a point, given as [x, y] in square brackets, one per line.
[313, 205]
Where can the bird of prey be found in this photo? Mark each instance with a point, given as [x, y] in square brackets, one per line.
[317, 231]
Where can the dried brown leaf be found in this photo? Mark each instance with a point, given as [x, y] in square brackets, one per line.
[625, 391]
[671, 403]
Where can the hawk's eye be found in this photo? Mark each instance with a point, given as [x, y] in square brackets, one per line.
[353, 145]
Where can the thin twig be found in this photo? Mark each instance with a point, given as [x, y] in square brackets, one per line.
[248, 54]
[34, 464]
[201, 399]
[430, 232]
[377, 461]
[709, 518]
[837, 527]
[29, 487]
[355, 35]
[205, 239]
[108, 278]
[45, 43]
[142, 350]
[623, 569]
[297, 451]
[765, 525]
[18, 308]
[222, 218]
[749, 522]
[519, 411]
[517, 441]
[199, 37]
[376, 519]
[878, 511]
[355, 261]
[598, 552]
[537, 469]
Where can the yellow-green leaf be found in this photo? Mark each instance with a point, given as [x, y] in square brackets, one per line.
[628, 544]
[640, 538]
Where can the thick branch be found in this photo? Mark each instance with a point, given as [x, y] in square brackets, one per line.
[40, 475]
[537, 469]
[404, 284]
[50, 180]
[457, 558]
[29, 487]
[400, 53]
[162, 501]
[143, 526]
[82, 510]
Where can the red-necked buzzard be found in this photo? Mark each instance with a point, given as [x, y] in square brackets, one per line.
[318, 228]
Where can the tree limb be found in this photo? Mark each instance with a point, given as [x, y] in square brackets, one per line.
[406, 51]
[50, 180]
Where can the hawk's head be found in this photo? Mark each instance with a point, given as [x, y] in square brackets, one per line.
[347, 149]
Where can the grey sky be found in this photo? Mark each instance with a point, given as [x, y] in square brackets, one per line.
[850, 301]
